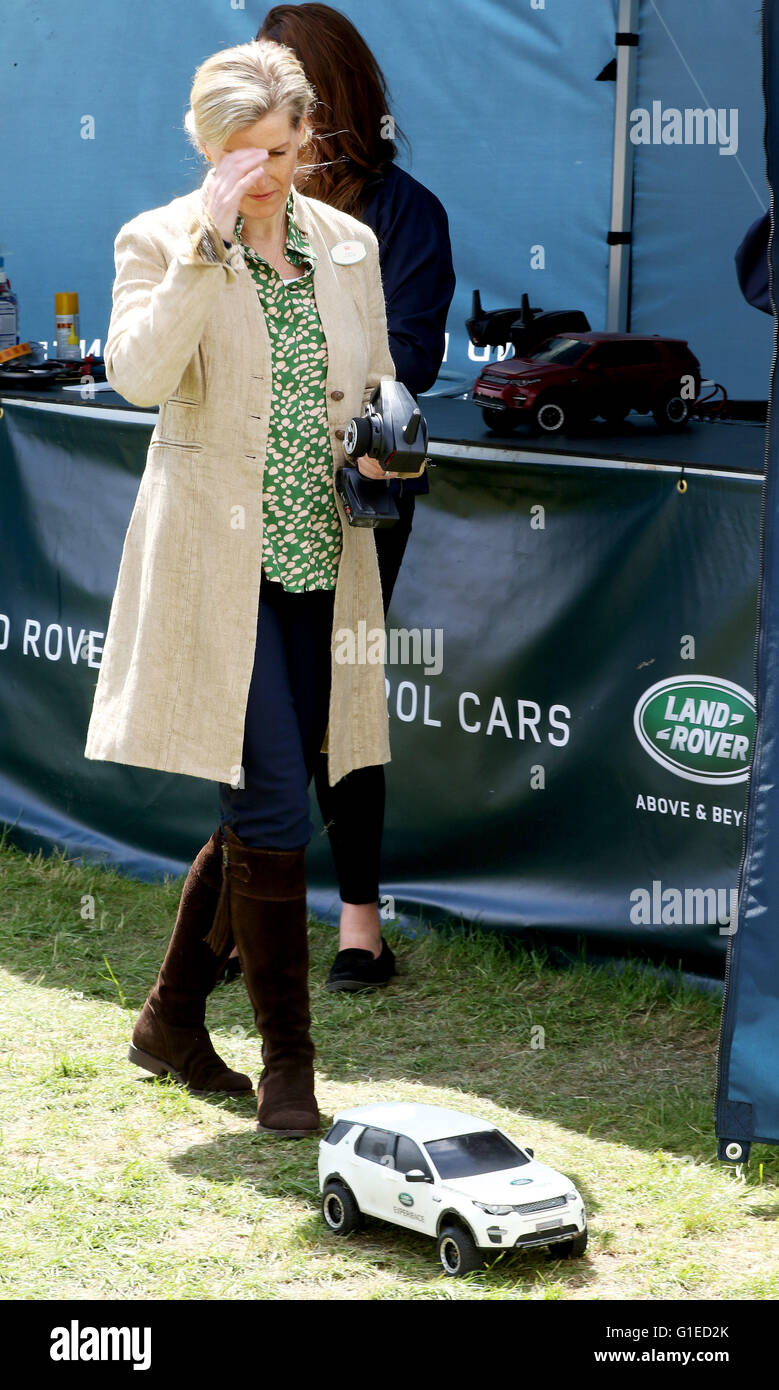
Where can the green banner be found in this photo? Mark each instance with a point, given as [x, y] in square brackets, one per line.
[569, 663]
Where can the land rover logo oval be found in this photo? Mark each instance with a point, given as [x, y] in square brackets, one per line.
[406, 1199]
[520, 1182]
[700, 727]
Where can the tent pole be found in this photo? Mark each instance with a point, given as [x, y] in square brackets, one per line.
[620, 234]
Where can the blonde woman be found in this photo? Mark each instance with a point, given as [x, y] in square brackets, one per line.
[254, 317]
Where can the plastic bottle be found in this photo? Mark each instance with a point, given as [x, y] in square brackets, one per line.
[9, 311]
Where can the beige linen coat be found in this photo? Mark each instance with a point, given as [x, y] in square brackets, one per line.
[188, 333]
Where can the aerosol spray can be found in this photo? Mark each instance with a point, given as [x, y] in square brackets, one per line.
[67, 336]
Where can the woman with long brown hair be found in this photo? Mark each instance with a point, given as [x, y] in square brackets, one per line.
[351, 165]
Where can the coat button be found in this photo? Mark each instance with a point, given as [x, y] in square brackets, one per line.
[337, 395]
[340, 434]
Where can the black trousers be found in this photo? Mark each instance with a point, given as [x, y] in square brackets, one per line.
[353, 810]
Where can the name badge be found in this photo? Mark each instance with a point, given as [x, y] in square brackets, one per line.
[347, 252]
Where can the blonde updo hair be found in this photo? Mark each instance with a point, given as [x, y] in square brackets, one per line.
[237, 86]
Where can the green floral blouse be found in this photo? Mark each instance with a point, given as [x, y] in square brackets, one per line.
[301, 544]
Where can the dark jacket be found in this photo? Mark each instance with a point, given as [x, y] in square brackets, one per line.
[752, 265]
[415, 255]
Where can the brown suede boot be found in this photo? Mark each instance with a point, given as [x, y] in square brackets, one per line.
[266, 904]
[170, 1037]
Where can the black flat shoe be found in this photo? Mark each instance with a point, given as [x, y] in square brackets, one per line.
[231, 971]
[353, 970]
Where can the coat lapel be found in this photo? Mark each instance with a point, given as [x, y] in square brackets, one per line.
[328, 292]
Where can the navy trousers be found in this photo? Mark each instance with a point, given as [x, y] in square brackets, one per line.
[286, 719]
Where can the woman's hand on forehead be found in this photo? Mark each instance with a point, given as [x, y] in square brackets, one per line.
[233, 176]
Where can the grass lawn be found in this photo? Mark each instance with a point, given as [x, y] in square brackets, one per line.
[115, 1186]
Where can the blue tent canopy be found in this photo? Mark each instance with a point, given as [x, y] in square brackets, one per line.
[511, 110]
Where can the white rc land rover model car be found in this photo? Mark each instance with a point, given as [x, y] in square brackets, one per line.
[449, 1175]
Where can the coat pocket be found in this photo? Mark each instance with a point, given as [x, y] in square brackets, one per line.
[179, 423]
[191, 446]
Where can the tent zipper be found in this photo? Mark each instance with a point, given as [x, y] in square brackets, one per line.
[724, 1041]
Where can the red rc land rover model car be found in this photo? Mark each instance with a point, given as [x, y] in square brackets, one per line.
[574, 377]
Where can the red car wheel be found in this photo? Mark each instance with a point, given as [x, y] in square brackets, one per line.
[671, 411]
[502, 421]
[553, 414]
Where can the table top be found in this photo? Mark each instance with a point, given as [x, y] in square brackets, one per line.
[457, 432]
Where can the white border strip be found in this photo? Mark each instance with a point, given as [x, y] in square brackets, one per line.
[140, 417]
[465, 451]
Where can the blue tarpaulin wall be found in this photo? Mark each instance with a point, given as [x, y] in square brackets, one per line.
[508, 125]
[747, 1102]
[692, 205]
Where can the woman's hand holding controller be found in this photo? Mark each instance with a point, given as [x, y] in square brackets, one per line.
[371, 468]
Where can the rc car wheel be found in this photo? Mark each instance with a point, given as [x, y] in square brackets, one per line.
[339, 1209]
[500, 420]
[458, 1251]
[671, 411]
[553, 414]
[568, 1249]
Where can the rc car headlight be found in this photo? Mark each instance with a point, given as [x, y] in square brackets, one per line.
[573, 1195]
[493, 1210]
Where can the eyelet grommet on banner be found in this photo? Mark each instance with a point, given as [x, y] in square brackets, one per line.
[681, 485]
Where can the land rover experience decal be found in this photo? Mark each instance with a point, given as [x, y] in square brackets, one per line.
[699, 727]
